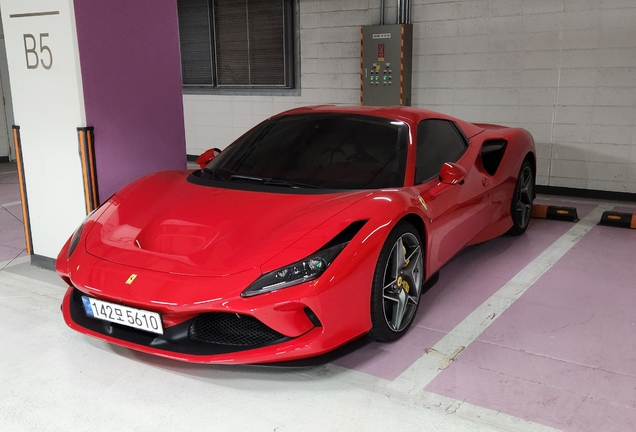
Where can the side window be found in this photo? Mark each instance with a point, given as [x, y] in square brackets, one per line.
[438, 141]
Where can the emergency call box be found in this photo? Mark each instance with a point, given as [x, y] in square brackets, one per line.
[386, 64]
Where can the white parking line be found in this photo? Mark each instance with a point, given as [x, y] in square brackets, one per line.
[465, 417]
[14, 203]
[30, 284]
[14, 261]
[409, 386]
[423, 371]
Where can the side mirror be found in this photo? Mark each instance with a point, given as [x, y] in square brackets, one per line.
[207, 156]
[450, 174]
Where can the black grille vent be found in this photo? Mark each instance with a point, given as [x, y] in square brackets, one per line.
[232, 329]
[77, 298]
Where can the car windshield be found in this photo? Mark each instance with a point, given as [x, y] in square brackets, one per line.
[325, 151]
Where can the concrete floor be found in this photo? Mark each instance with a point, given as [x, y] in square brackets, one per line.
[534, 333]
[11, 226]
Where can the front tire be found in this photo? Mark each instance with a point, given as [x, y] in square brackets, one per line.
[397, 283]
[521, 206]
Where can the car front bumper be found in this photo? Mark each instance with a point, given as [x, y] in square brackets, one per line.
[178, 343]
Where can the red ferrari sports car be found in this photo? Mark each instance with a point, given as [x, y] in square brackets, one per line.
[317, 226]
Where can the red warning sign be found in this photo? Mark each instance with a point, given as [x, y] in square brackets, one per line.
[380, 52]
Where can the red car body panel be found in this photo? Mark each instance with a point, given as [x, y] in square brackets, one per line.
[195, 248]
[167, 224]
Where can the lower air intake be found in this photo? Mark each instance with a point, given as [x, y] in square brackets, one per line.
[225, 328]
[77, 298]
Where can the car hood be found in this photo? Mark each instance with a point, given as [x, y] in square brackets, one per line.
[164, 223]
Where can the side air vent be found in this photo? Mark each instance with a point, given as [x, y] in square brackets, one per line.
[492, 153]
[312, 317]
[346, 234]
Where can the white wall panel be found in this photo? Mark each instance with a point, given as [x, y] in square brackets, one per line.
[48, 107]
[563, 69]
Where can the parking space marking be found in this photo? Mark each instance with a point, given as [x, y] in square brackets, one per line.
[410, 385]
[414, 379]
[14, 203]
[465, 417]
[14, 261]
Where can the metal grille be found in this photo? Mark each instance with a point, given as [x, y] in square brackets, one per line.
[195, 38]
[77, 298]
[229, 43]
[231, 329]
[250, 44]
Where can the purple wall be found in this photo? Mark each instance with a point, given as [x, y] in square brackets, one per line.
[131, 73]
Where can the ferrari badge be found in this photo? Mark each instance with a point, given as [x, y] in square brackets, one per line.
[131, 279]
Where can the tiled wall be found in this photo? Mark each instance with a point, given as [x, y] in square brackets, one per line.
[563, 69]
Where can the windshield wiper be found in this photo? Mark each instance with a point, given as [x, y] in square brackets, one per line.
[249, 178]
[218, 173]
[291, 184]
[272, 182]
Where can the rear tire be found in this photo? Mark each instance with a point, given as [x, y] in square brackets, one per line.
[397, 283]
[521, 206]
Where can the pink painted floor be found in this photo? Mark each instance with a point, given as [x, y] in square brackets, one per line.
[12, 242]
[624, 208]
[564, 354]
[464, 283]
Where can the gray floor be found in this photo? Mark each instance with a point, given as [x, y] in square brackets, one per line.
[53, 379]
[7, 166]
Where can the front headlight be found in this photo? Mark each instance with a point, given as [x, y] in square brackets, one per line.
[299, 272]
[75, 240]
[77, 234]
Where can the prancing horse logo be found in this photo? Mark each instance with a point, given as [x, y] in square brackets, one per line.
[131, 279]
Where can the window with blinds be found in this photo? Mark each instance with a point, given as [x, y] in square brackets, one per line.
[237, 44]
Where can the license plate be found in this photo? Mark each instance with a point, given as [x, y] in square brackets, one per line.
[124, 315]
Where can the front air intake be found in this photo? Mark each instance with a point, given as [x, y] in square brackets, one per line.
[226, 328]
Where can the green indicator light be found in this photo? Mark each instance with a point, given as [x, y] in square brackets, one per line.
[384, 78]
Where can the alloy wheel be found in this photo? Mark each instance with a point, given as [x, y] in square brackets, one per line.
[525, 197]
[402, 282]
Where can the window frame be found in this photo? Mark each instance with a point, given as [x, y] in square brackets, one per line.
[460, 133]
[292, 46]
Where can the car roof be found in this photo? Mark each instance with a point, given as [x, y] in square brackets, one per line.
[411, 114]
